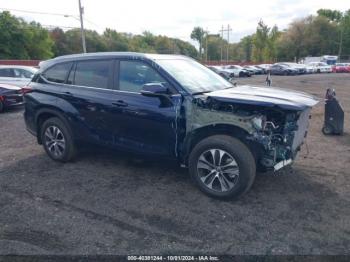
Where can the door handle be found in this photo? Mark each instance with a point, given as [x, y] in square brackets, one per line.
[120, 103]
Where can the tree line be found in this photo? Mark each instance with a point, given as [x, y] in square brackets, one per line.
[327, 33]
[22, 40]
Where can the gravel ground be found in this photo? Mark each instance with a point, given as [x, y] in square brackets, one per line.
[106, 203]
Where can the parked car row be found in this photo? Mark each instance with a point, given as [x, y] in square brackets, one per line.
[281, 68]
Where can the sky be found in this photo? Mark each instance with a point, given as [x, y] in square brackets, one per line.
[171, 18]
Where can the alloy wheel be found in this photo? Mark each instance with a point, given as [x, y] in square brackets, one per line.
[218, 170]
[55, 141]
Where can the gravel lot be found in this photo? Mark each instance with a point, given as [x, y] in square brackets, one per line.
[106, 203]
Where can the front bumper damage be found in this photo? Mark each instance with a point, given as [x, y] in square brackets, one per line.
[276, 139]
[281, 147]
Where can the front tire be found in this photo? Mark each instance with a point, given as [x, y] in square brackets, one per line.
[57, 140]
[1, 107]
[222, 167]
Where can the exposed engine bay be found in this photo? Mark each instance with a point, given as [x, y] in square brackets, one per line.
[279, 132]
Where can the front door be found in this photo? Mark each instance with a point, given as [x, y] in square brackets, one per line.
[144, 124]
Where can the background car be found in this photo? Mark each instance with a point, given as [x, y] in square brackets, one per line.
[320, 67]
[341, 68]
[239, 71]
[254, 69]
[300, 68]
[10, 96]
[280, 69]
[310, 69]
[225, 73]
[16, 75]
[264, 67]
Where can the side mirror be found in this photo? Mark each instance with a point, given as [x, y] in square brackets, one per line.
[154, 89]
[157, 90]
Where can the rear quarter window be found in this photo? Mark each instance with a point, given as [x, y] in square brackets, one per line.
[57, 73]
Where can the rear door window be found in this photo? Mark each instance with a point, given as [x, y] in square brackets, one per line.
[58, 73]
[94, 73]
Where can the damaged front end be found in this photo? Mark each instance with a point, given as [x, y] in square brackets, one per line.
[281, 134]
[274, 128]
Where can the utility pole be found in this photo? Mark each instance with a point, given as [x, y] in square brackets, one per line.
[222, 38]
[228, 30]
[340, 42]
[206, 44]
[228, 41]
[81, 11]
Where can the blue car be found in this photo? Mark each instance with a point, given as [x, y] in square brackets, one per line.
[166, 106]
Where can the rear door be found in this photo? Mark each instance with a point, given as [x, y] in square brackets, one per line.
[88, 97]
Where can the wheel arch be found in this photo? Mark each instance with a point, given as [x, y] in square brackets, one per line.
[45, 113]
[197, 135]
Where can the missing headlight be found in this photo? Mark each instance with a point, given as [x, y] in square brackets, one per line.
[259, 122]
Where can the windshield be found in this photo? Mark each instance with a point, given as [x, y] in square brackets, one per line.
[193, 76]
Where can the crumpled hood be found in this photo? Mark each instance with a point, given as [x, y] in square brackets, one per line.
[265, 96]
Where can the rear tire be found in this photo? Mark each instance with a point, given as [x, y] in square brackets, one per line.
[57, 140]
[1, 107]
[222, 167]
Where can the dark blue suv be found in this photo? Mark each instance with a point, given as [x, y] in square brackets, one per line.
[166, 106]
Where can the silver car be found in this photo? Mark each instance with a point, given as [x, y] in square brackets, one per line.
[16, 75]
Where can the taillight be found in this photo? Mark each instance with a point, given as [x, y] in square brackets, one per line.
[2, 98]
[26, 89]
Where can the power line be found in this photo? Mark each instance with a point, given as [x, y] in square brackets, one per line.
[47, 13]
[36, 12]
[59, 26]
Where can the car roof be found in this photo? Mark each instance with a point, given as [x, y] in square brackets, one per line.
[103, 55]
